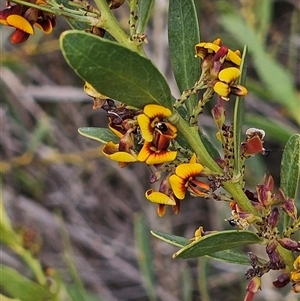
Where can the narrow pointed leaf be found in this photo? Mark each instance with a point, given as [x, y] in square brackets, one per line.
[230, 255]
[290, 167]
[100, 134]
[183, 34]
[145, 256]
[217, 242]
[18, 286]
[114, 70]
[145, 10]
[239, 110]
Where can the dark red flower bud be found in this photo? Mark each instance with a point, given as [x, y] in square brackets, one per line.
[273, 217]
[271, 246]
[282, 280]
[218, 113]
[289, 244]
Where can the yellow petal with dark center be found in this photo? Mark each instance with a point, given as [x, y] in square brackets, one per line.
[145, 126]
[229, 75]
[178, 186]
[222, 89]
[153, 111]
[159, 198]
[188, 170]
[161, 157]
[20, 23]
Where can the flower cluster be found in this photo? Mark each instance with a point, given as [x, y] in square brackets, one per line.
[220, 68]
[23, 19]
[147, 136]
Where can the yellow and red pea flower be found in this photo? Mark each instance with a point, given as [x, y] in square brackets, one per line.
[152, 115]
[152, 155]
[24, 19]
[225, 85]
[164, 197]
[157, 134]
[185, 180]
[206, 49]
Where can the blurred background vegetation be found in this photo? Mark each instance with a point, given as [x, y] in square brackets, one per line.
[87, 219]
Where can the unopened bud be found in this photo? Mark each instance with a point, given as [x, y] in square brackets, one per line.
[271, 246]
[218, 113]
[273, 217]
[282, 280]
[254, 285]
[289, 244]
[289, 207]
[264, 195]
[218, 61]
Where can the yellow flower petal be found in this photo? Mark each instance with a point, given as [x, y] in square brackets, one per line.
[222, 89]
[144, 152]
[159, 198]
[193, 158]
[234, 57]
[145, 126]
[111, 150]
[178, 186]
[153, 111]
[229, 75]
[297, 263]
[161, 157]
[122, 157]
[20, 23]
[188, 170]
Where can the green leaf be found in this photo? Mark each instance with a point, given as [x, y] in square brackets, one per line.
[183, 34]
[230, 255]
[20, 287]
[145, 256]
[103, 135]
[175, 240]
[215, 242]
[276, 79]
[145, 10]
[114, 70]
[73, 24]
[290, 167]
[238, 118]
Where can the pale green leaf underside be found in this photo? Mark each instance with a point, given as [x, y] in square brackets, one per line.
[103, 135]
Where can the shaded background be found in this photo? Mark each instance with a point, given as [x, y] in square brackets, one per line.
[80, 209]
